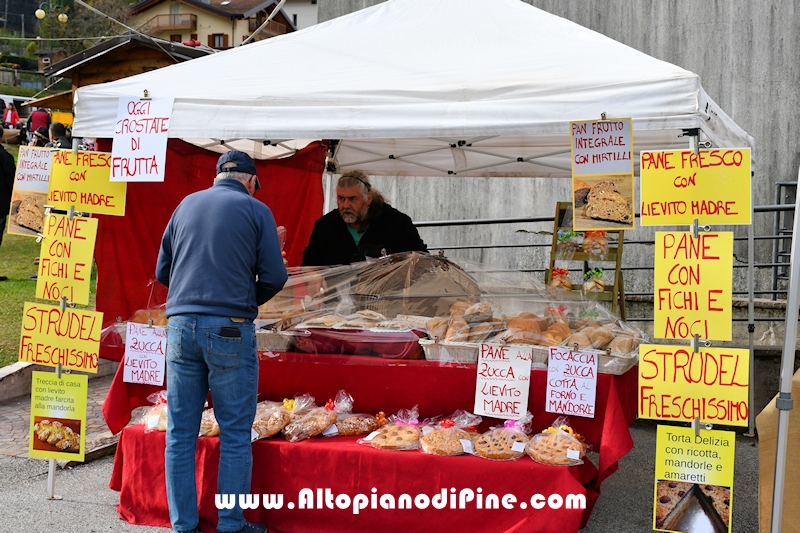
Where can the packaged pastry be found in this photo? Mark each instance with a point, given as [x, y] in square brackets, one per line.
[506, 442]
[271, 418]
[208, 424]
[567, 241]
[155, 418]
[559, 279]
[450, 436]
[299, 406]
[557, 445]
[593, 281]
[312, 424]
[348, 423]
[400, 433]
[595, 242]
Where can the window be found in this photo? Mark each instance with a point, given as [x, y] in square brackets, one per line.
[193, 36]
[294, 19]
[176, 38]
[218, 40]
[313, 2]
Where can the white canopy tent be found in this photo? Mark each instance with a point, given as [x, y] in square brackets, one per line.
[424, 87]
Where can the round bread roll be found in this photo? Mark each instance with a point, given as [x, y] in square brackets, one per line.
[459, 308]
[559, 331]
[586, 322]
[437, 327]
[479, 312]
[600, 338]
[458, 331]
[479, 332]
[581, 339]
[622, 344]
[523, 324]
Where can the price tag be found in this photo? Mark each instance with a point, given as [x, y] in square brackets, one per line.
[426, 430]
[518, 446]
[152, 421]
[371, 436]
[573, 454]
[331, 431]
[253, 435]
[466, 445]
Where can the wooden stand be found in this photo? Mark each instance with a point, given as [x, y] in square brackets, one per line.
[614, 292]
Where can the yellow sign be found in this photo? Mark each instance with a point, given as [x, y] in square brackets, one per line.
[58, 416]
[65, 259]
[694, 480]
[693, 285]
[675, 383]
[50, 336]
[82, 180]
[712, 187]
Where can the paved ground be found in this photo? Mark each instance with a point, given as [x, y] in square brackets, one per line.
[625, 504]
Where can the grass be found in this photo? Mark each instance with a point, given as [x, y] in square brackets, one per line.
[16, 262]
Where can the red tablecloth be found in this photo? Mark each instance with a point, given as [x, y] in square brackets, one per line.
[439, 389]
[346, 468]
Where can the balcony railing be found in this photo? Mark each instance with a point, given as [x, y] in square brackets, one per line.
[272, 29]
[171, 22]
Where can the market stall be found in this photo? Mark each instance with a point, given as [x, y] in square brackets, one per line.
[408, 87]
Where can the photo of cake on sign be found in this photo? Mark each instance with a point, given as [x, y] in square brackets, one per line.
[692, 507]
[603, 202]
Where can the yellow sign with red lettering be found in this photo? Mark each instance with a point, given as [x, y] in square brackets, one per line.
[680, 186]
[678, 384]
[51, 336]
[693, 285]
[65, 259]
[82, 180]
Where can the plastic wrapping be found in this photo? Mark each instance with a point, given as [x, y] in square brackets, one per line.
[453, 435]
[208, 424]
[319, 419]
[593, 281]
[557, 445]
[559, 279]
[595, 242]
[507, 442]
[400, 433]
[270, 419]
[155, 417]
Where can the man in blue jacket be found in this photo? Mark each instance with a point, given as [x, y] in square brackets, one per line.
[221, 258]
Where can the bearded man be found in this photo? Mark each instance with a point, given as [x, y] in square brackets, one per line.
[363, 225]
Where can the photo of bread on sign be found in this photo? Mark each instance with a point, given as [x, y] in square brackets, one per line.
[27, 213]
[603, 202]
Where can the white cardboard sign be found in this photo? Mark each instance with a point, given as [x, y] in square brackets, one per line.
[140, 139]
[601, 147]
[145, 354]
[504, 381]
[571, 382]
[33, 169]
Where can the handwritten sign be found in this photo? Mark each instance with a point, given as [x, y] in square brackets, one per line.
[689, 469]
[81, 180]
[693, 284]
[145, 354]
[675, 383]
[140, 139]
[50, 336]
[571, 382]
[58, 416]
[601, 147]
[504, 381]
[679, 186]
[65, 259]
[33, 169]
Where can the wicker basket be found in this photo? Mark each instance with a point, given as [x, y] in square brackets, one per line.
[273, 341]
[450, 352]
[617, 364]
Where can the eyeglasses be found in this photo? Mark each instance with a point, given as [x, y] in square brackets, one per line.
[257, 183]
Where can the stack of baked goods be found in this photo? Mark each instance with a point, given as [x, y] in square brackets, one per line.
[271, 418]
[604, 201]
[595, 242]
[557, 445]
[593, 281]
[559, 279]
[506, 442]
[312, 424]
[451, 436]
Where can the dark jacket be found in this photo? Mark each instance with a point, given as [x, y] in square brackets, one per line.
[389, 229]
[61, 142]
[215, 245]
[7, 170]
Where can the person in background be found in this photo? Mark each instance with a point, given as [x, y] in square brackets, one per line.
[221, 258]
[58, 137]
[7, 170]
[37, 119]
[363, 225]
[40, 137]
[10, 116]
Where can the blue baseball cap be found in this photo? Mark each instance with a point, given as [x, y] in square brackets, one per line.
[242, 161]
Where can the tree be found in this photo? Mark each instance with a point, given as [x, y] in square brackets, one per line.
[83, 26]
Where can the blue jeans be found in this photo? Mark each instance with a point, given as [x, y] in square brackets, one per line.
[199, 359]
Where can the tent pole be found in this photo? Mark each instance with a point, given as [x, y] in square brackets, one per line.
[326, 204]
[751, 325]
[784, 400]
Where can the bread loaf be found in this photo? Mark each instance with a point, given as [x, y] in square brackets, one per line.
[437, 328]
[608, 210]
[458, 331]
[459, 308]
[581, 339]
[479, 312]
[581, 189]
[622, 344]
[600, 338]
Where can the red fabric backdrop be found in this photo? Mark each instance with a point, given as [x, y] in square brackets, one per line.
[127, 247]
